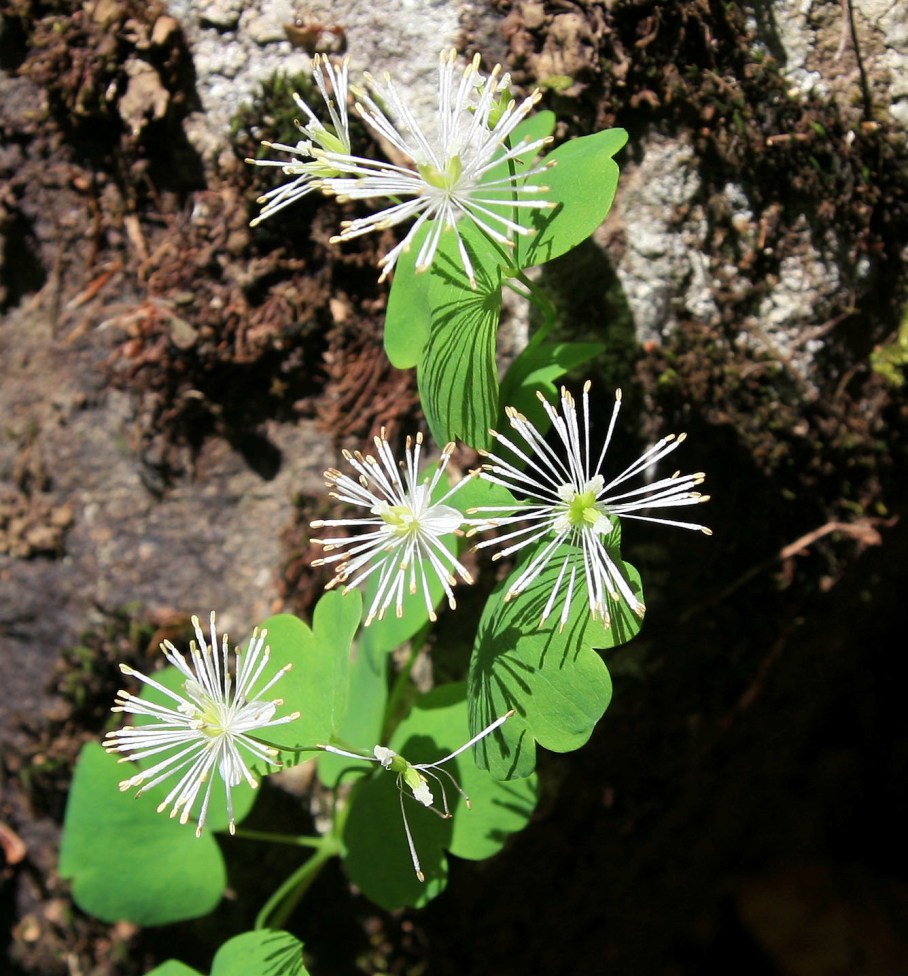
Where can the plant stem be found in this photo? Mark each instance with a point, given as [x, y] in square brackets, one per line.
[535, 295]
[280, 905]
[398, 687]
[292, 839]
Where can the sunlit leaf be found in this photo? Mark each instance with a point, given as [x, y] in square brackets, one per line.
[554, 679]
[582, 184]
[318, 682]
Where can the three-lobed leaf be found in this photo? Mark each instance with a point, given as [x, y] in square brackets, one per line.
[376, 855]
[260, 953]
[555, 680]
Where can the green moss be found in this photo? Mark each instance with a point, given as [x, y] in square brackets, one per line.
[556, 83]
[274, 109]
[890, 359]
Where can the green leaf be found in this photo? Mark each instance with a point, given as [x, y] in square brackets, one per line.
[555, 680]
[173, 967]
[417, 296]
[479, 493]
[409, 311]
[535, 370]
[582, 184]
[260, 953]
[457, 372]
[535, 127]
[376, 855]
[390, 632]
[318, 683]
[369, 694]
[128, 862]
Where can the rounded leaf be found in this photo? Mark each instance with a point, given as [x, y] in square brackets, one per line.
[376, 854]
[553, 678]
[128, 862]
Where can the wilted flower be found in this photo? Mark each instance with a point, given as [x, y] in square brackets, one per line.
[415, 777]
[401, 537]
[212, 728]
[567, 500]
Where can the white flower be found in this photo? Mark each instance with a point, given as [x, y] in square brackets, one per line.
[310, 168]
[401, 536]
[569, 501]
[210, 728]
[415, 776]
[444, 179]
[475, 120]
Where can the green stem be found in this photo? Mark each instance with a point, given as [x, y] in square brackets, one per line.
[292, 839]
[294, 750]
[282, 902]
[398, 687]
[535, 295]
[532, 293]
[512, 172]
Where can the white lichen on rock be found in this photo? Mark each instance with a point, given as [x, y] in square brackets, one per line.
[663, 271]
[846, 51]
[236, 46]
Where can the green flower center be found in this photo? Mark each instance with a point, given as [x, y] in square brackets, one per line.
[211, 721]
[332, 142]
[446, 180]
[582, 511]
[399, 517]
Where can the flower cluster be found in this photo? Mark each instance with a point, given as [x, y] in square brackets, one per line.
[567, 509]
[212, 727]
[447, 176]
[405, 542]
